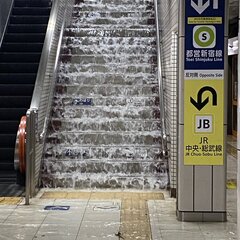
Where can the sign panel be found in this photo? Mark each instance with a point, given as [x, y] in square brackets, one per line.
[204, 82]
[204, 34]
[203, 135]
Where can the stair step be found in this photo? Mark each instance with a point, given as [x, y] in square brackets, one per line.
[91, 32]
[120, 167]
[110, 101]
[113, 7]
[97, 113]
[10, 127]
[90, 125]
[7, 154]
[106, 50]
[121, 93]
[27, 28]
[110, 41]
[24, 37]
[19, 67]
[21, 47]
[109, 68]
[119, 2]
[29, 3]
[106, 59]
[108, 153]
[107, 78]
[104, 181]
[105, 139]
[12, 57]
[31, 11]
[15, 101]
[12, 113]
[17, 19]
[18, 78]
[7, 140]
[82, 16]
[121, 25]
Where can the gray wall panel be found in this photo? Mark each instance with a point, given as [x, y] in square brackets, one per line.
[202, 188]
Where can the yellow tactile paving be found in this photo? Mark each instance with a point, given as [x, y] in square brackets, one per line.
[10, 200]
[55, 195]
[135, 222]
[231, 184]
[232, 150]
[78, 195]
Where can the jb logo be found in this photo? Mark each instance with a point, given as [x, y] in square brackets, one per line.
[203, 124]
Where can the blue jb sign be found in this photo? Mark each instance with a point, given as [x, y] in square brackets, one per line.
[204, 34]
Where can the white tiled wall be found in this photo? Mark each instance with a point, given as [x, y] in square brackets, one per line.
[168, 11]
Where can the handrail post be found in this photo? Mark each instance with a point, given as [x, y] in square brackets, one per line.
[30, 156]
[33, 146]
[28, 160]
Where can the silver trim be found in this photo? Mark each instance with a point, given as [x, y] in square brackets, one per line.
[39, 112]
[164, 135]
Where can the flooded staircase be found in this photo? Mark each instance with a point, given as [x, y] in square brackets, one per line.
[105, 126]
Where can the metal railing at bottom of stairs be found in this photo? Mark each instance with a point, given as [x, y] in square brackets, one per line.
[37, 115]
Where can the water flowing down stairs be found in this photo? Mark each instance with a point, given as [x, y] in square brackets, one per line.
[19, 59]
[105, 126]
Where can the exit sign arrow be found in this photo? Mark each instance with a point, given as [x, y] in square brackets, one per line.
[199, 104]
[200, 7]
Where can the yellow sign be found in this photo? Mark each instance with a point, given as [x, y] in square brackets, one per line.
[203, 122]
[205, 20]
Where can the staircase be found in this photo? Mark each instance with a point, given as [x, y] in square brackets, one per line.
[19, 59]
[105, 126]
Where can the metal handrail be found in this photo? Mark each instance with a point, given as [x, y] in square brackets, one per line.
[8, 12]
[160, 85]
[39, 111]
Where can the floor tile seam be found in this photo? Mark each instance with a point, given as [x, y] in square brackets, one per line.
[148, 218]
[40, 225]
[80, 225]
[12, 212]
[152, 222]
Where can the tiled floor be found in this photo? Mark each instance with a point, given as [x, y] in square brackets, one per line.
[84, 220]
[111, 216]
[89, 219]
[163, 218]
[165, 226]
